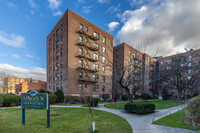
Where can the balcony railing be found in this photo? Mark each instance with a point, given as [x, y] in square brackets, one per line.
[87, 80]
[87, 69]
[94, 37]
[81, 55]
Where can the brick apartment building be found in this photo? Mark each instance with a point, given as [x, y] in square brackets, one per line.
[78, 56]
[125, 57]
[190, 59]
[9, 84]
[33, 85]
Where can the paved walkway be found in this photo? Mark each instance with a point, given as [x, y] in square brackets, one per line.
[142, 123]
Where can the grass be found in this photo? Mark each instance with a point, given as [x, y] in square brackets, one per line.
[174, 120]
[160, 104]
[63, 120]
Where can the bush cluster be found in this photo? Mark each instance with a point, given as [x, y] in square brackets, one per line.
[73, 99]
[124, 97]
[11, 100]
[145, 96]
[90, 101]
[193, 107]
[105, 97]
[53, 98]
[60, 95]
[139, 108]
[1, 101]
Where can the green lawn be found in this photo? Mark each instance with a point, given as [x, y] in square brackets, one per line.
[160, 104]
[63, 120]
[174, 120]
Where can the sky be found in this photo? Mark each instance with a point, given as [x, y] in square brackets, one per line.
[157, 27]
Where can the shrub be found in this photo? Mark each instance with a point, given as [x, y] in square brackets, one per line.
[60, 95]
[43, 91]
[9, 100]
[73, 99]
[139, 108]
[193, 107]
[110, 100]
[145, 96]
[1, 101]
[53, 98]
[136, 97]
[124, 97]
[90, 101]
[105, 96]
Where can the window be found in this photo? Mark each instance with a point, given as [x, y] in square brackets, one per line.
[61, 52]
[103, 59]
[129, 60]
[80, 86]
[57, 44]
[80, 39]
[95, 67]
[61, 64]
[103, 69]
[85, 85]
[80, 63]
[104, 40]
[189, 71]
[96, 78]
[103, 88]
[133, 55]
[182, 58]
[61, 75]
[57, 55]
[182, 65]
[81, 27]
[96, 45]
[86, 63]
[96, 35]
[61, 28]
[96, 56]
[169, 61]
[57, 66]
[169, 68]
[96, 88]
[81, 75]
[86, 52]
[61, 41]
[189, 64]
[86, 29]
[80, 51]
[103, 79]
[190, 57]
[189, 78]
[104, 49]
[129, 52]
[57, 32]
[86, 40]
[57, 76]
[57, 86]
[61, 86]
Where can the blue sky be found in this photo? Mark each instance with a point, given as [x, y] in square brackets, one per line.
[24, 25]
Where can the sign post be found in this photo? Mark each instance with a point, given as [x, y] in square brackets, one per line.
[34, 100]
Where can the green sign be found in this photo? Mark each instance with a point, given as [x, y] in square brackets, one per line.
[34, 100]
[38, 101]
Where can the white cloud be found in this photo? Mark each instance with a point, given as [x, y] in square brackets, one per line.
[31, 56]
[169, 26]
[35, 72]
[86, 9]
[58, 13]
[12, 40]
[32, 12]
[114, 9]
[80, 1]
[32, 4]
[54, 4]
[103, 1]
[12, 5]
[112, 25]
[16, 56]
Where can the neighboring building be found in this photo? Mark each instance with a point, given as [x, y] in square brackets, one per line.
[78, 56]
[9, 84]
[34, 85]
[1, 89]
[190, 59]
[124, 57]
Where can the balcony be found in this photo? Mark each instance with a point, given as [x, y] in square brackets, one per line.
[81, 55]
[93, 48]
[86, 80]
[95, 38]
[87, 69]
[81, 31]
[80, 44]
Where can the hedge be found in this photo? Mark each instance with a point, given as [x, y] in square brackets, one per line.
[60, 95]
[53, 98]
[9, 100]
[193, 107]
[73, 99]
[139, 108]
[124, 97]
[145, 96]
